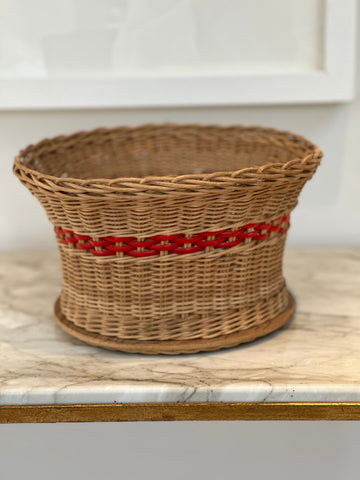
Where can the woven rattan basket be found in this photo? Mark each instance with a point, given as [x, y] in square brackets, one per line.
[171, 236]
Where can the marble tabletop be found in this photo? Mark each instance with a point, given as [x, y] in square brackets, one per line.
[315, 358]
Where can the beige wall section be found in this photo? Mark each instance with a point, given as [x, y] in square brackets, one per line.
[328, 210]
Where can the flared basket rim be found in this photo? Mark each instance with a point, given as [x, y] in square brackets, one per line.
[300, 166]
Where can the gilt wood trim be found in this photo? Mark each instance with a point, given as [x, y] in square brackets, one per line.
[179, 411]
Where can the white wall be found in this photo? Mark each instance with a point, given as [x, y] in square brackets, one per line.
[328, 211]
[132, 37]
[178, 450]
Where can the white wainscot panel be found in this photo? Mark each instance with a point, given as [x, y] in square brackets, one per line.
[128, 53]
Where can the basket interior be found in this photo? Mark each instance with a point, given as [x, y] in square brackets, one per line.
[162, 150]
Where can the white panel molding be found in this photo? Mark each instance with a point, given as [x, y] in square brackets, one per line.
[334, 82]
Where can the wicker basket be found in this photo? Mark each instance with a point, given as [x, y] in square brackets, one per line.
[171, 236]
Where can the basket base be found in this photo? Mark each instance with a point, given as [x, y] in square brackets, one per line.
[173, 347]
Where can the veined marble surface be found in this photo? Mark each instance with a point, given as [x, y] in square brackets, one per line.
[315, 358]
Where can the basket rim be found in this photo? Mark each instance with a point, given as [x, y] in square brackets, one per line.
[160, 184]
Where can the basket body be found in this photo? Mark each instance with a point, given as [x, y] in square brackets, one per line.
[171, 237]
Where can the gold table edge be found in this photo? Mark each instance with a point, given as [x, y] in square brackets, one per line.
[132, 412]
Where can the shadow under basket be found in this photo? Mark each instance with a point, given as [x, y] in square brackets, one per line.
[171, 236]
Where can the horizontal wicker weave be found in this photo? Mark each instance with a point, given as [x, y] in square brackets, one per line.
[171, 236]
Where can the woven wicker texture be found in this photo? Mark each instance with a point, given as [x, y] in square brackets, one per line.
[192, 186]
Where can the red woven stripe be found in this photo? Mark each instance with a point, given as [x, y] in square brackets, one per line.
[171, 244]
